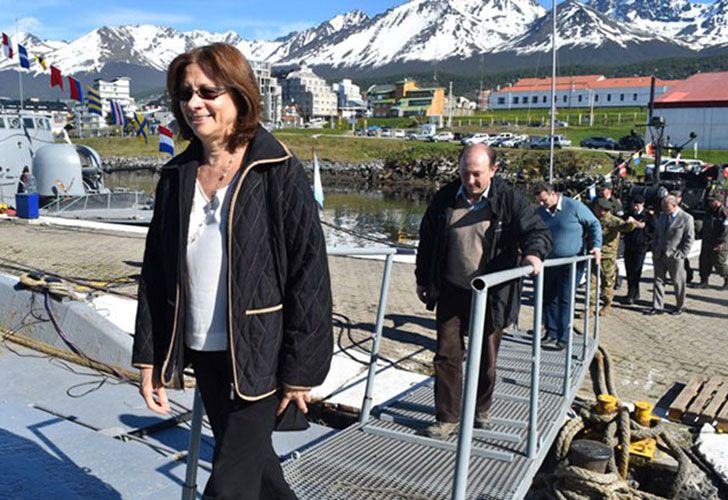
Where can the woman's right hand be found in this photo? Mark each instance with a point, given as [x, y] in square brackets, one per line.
[154, 394]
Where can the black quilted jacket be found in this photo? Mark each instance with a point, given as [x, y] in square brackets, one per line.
[279, 292]
[516, 229]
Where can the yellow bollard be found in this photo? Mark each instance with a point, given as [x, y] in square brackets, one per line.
[643, 412]
[606, 404]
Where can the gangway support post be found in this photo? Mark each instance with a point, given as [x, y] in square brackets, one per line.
[587, 304]
[570, 329]
[189, 490]
[366, 407]
[535, 364]
[467, 413]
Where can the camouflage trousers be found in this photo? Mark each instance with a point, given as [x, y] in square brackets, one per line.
[607, 279]
[713, 259]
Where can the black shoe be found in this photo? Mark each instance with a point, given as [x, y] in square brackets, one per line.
[653, 312]
[560, 345]
[629, 300]
[702, 285]
[677, 311]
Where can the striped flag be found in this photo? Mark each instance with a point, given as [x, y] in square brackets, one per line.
[141, 126]
[23, 56]
[318, 189]
[117, 113]
[42, 61]
[166, 141]
[76, 89]
[7, 46]
[93, 101]
[56, 77]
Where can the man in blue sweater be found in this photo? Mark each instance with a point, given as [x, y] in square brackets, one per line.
[570, 223]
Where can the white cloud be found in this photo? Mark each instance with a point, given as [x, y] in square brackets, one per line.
[134, 16]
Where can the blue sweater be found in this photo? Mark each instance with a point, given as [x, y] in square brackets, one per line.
[567, 228]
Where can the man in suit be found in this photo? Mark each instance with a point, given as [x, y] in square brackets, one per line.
[674, 236]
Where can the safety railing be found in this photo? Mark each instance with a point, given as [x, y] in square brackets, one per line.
[189, 490]
[105, 201]
[480, 286]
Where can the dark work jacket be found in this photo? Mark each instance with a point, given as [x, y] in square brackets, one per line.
[515, 226]
[639, 240]
[715, 226]
[279, 292]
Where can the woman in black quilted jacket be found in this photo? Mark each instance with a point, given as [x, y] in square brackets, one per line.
[235, 279]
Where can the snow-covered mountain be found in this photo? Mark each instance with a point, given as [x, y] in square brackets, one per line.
[424, 30]
[711, 30]
[667, 18]
[579, 26]
[417, 34]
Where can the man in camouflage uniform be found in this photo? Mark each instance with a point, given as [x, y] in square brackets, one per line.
[714, 249]
[612, 227]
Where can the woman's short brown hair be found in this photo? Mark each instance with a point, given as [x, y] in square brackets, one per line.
[226, 66]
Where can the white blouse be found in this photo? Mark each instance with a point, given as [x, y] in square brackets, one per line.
[206, 322]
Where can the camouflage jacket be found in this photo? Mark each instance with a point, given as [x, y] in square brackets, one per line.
[612, 227]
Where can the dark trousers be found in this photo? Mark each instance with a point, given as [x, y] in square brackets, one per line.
[557, 299]
[634, 260]
[244, 464]
[453, 319]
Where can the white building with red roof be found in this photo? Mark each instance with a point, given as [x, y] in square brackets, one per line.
[583, 91]
[698, 104]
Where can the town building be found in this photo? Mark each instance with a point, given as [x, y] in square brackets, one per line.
[118, 89]
[349, 100]
[582, 91]
[271, 93]
[698, 104]
[310, 93]
[57, 110]
[404, 99]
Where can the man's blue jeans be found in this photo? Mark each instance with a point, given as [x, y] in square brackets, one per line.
[557, 299]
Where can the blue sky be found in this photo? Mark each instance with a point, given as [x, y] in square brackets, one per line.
[252, 19]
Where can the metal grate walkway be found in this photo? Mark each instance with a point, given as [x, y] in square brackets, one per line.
[370, 461]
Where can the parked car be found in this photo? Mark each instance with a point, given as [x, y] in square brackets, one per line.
[398, 132]
[513, 142]
[631, 143]
[442, 137]
[545, 142]
[676, 166]
[599, 143]
[386, 132]
[560, 123]
[478, 138]
[530, 141]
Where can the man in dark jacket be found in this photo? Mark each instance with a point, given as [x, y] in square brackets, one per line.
[636, 245]
[473, 226]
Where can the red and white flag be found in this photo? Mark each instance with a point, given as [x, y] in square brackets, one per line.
[622, 169]
[7, 46]
[166, 141]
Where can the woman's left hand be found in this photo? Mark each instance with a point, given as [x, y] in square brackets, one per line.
[300, 396]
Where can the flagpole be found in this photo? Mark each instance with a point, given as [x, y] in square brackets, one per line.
[20, 73]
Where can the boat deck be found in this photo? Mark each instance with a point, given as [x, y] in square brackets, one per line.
[389, 458]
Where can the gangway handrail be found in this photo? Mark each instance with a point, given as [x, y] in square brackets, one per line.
[189, 489]
[478, 304]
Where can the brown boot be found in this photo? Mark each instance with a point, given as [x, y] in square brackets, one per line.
[605, 310]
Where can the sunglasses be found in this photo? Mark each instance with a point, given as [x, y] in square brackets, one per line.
[184, 94]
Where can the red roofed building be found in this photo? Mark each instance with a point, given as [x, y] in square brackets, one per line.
[698, 104]
[577, 92]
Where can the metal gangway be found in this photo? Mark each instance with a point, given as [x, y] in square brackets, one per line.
[384, 455]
